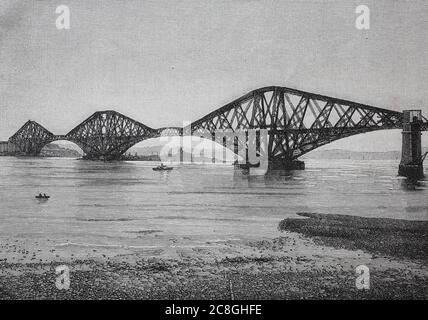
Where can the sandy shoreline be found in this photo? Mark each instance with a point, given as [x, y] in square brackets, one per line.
[292, 266]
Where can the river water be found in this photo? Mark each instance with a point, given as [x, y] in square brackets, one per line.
[128, 205]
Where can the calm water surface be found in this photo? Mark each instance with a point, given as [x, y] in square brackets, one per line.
[127, 203]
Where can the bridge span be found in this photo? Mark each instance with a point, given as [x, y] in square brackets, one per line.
[297, 122]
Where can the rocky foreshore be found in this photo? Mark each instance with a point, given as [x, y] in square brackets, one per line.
[394, 237]
[292, 266]
[228, 279]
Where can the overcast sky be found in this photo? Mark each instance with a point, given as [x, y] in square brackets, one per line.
[162, 62]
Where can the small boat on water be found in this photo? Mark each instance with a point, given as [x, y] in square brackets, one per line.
[42, 197]
[162, 167]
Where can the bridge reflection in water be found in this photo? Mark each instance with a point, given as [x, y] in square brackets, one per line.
[296, 121]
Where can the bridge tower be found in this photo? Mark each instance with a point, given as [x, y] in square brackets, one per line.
[411, 155]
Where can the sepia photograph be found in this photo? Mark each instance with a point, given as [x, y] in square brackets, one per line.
[226, 153]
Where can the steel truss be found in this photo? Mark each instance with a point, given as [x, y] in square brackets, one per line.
[108, 134]
[31, 138]
[297, 122]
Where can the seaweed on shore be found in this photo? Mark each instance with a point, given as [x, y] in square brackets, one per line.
[393, 237]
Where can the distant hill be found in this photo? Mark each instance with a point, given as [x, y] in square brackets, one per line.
[316, 154]
[355, 155]
[154, 152]
[139, 157]
[146, 151]
[54, 150]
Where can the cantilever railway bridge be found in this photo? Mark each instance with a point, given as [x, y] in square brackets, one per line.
[297, 122]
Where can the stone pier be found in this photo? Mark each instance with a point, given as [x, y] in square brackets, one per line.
[411, 156]
[7, 148]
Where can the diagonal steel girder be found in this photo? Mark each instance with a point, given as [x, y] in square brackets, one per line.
[297, 122]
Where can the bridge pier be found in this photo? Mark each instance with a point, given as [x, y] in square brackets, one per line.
[7, 148]
[411, 164]
[284, 164]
